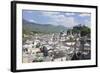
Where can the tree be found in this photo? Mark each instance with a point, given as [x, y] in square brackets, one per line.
[83, 30]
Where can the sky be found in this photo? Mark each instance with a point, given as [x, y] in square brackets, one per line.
[67, 19]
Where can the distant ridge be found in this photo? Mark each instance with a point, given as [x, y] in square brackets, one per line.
[46, 28]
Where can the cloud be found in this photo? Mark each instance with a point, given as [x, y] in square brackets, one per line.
[31, 20]
[69, 13]
[88, 23]
[87, 19]
[85, 14]
[56, 18]
[67, 21]
[50, 13]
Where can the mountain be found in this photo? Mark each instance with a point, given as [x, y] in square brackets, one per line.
[44, 28]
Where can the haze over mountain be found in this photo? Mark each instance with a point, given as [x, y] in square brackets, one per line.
[45, 28]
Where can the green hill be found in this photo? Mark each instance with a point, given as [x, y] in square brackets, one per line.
[42, 28]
